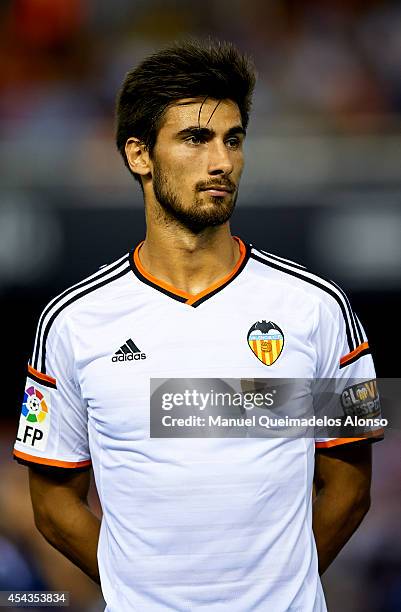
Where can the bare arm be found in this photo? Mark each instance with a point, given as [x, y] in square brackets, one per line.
[342, 484]
[62, 515]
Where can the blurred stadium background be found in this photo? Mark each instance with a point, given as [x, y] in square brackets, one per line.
[322, 186]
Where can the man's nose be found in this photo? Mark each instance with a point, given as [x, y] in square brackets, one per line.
[219, 159]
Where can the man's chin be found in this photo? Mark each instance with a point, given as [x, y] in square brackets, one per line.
[211, 213]
[205, 211]
[201, 222]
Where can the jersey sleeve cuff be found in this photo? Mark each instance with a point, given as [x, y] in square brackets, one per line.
[42, 379]
[25, 458]
[370, 438]
[360, 351]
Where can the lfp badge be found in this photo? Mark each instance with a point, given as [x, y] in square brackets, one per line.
[34, 407]
[34, 424]
[266, 341]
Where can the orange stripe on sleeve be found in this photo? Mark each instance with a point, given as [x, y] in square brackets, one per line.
[354, 353]
[38, 374]
[373, 434]
[52, 462]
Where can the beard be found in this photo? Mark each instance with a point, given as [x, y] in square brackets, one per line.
[200, 213]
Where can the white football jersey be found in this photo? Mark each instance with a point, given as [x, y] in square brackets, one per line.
[217, 524]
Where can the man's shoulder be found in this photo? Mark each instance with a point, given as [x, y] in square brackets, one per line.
[96, 287]
[294, 277]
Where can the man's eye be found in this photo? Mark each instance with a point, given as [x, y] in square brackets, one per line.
[233, 142]
[194, 139]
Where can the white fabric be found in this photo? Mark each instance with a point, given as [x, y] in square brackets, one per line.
[223, 525]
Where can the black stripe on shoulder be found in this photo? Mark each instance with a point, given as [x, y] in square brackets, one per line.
[104, 272]
[71, 301]
[356, 325]
[298, 274]
[281, 259]
[356, 328]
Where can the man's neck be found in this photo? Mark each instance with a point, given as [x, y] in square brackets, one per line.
[189, 262]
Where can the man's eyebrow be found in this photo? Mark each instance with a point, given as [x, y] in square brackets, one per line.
[237, 129]
[208, 132]
[196, 130]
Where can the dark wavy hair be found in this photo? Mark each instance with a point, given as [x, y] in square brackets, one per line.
[189, 69]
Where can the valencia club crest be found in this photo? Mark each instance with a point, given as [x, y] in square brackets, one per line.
[266, 341]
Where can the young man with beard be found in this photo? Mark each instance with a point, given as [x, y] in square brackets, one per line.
[223, 524]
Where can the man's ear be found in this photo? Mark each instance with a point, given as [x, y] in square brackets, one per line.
[137, 156]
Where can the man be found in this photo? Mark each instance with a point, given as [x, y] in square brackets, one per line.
[223, 524]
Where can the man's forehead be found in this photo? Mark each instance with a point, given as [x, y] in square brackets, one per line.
[199, 110]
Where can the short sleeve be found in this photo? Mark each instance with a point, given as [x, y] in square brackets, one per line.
[344, 359]
[53, 427]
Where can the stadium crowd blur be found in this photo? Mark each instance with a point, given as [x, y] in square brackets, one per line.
[322, 186]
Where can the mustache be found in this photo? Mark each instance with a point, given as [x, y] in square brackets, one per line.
[215, 184]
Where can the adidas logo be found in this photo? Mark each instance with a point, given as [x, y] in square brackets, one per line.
[128, 352]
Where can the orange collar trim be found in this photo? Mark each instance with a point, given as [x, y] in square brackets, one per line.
[183, 296]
